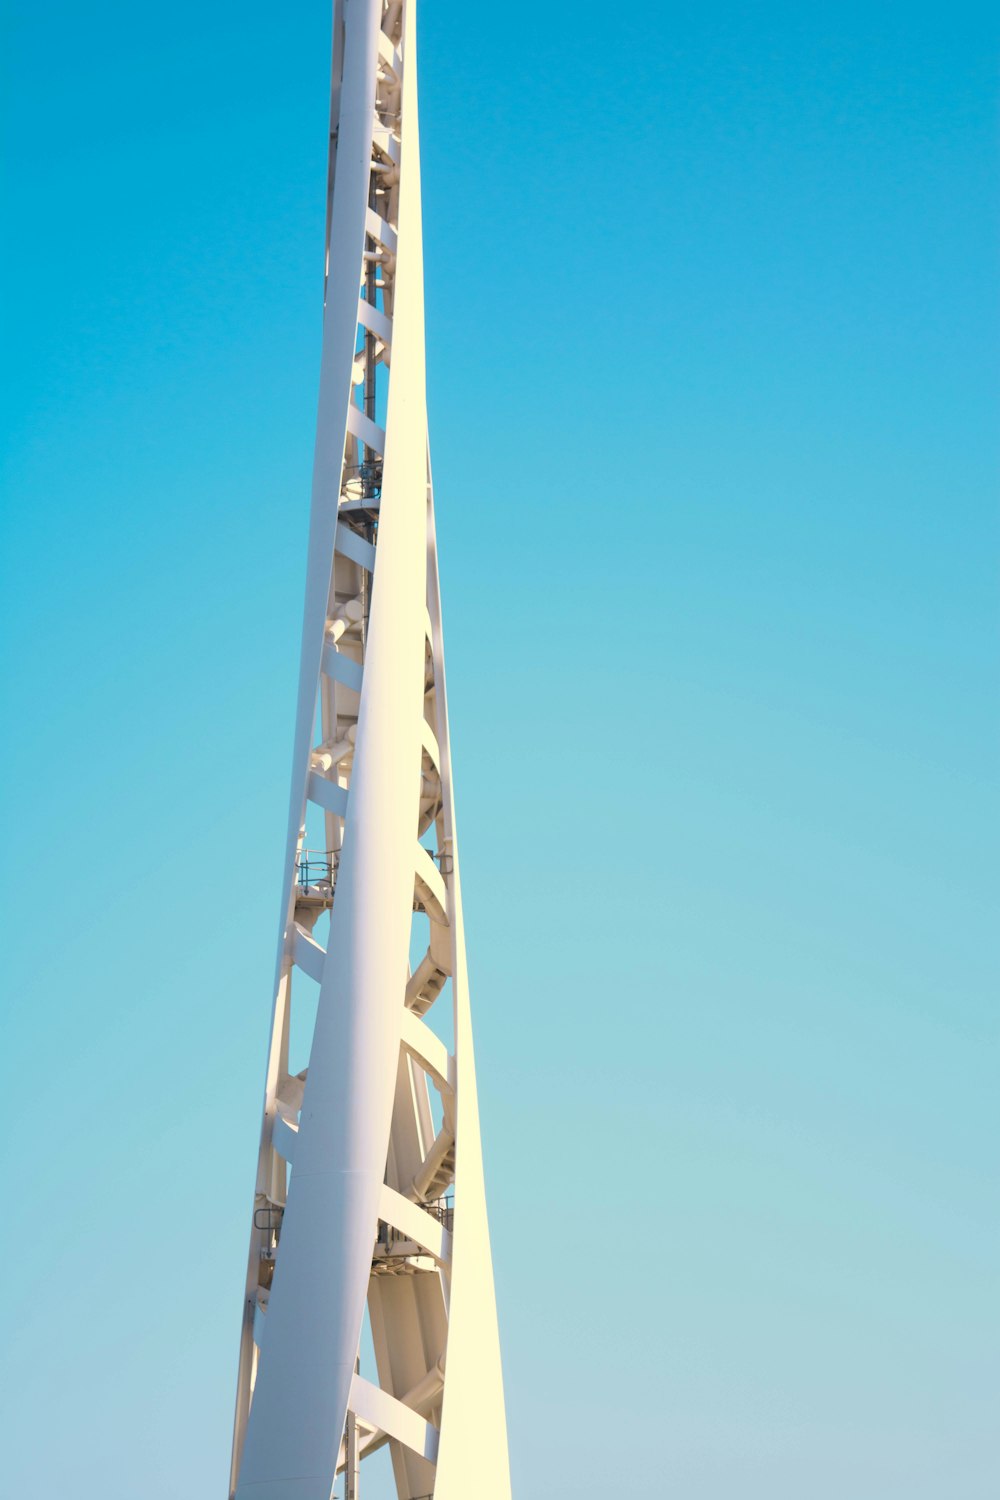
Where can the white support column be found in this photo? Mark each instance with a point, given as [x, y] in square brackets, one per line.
[352, 1468]
[360, 1199]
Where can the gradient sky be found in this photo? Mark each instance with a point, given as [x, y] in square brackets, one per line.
[712, 359]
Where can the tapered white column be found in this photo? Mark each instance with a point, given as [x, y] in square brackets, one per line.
[370, 1187]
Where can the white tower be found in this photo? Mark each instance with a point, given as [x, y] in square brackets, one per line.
[370, 1179]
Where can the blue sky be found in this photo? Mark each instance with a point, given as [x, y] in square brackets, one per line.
[712, 359]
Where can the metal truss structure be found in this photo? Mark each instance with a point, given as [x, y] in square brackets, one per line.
[369, 1190]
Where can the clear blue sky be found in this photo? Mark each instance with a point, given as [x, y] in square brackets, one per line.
[713, 379]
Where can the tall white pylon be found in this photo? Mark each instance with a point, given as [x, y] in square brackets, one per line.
[370, 1181]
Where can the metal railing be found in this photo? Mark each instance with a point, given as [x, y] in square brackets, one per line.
[443, 858]
[316, 868]
[443, 1210]
[362, 481]
[389, 1236]
[269, 1218]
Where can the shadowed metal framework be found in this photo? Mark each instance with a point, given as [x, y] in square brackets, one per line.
[369, 1236]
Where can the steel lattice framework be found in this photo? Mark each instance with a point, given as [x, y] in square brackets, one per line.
[370, 1183]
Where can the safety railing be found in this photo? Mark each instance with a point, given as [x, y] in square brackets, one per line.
[443, 1210]
[362, 481]
[316, 869]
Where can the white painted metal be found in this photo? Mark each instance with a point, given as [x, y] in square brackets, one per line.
[370, 1182]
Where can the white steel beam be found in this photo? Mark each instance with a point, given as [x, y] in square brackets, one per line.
[417, 1225]
[355, 547]
[383, 1412]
